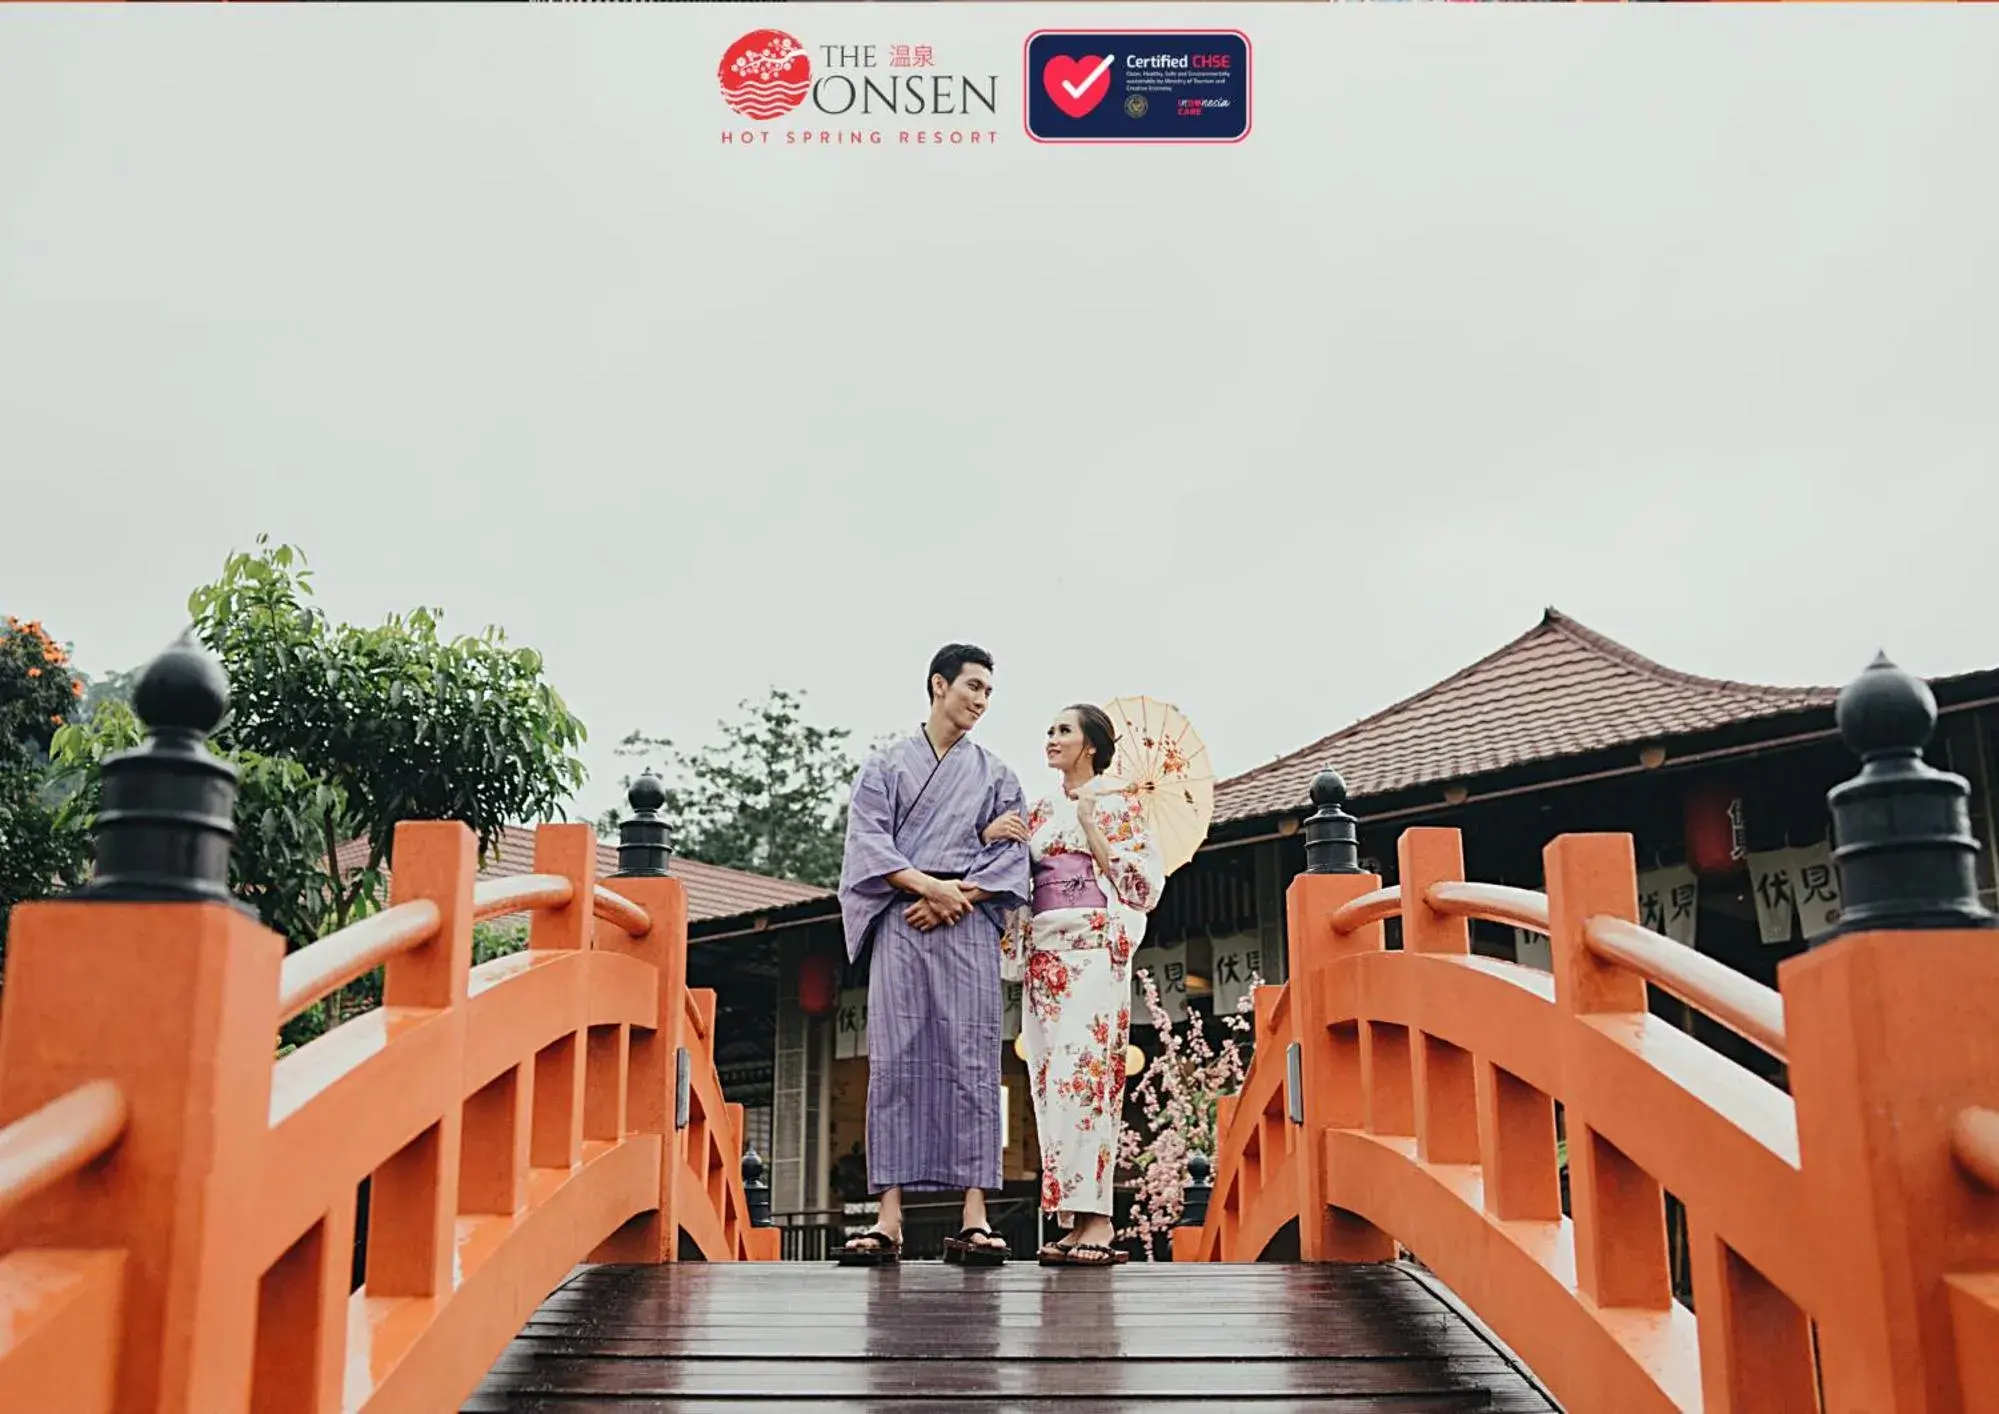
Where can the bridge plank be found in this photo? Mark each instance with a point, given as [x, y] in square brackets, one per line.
[697, 1337]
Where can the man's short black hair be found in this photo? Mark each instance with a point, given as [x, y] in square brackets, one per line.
[950, 661]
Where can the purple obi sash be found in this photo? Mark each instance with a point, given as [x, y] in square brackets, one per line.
[1066, 880]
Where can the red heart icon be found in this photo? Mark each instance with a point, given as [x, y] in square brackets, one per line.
[1077, 84]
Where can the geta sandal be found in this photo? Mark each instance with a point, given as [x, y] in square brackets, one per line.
[873, 1248]
[1093, 1254]
[964, 1251]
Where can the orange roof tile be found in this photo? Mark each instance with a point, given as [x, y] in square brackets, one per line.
[1558, 690]
[712, 890]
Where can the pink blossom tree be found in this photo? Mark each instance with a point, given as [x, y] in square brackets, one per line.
[1176, 1096]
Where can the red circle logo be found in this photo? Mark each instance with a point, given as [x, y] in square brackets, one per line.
[765, 74]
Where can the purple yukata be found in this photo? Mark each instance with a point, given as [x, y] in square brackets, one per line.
[933, 998]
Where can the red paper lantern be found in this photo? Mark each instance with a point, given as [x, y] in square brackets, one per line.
[1717, 841]
[818, 985]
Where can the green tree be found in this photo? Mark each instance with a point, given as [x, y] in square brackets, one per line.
[38, 692]
[389, 723]
[41, 852]
[770, 796]
[111, 687]
[339, 732]
[43, 847]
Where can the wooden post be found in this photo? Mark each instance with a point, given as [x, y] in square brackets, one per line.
[651, 1079]
[1330, 1055]
[1891, 1035]
[1443, 1082]
[1620, 1210]
[556, 1140]
[177, 1003]
[413, 1198]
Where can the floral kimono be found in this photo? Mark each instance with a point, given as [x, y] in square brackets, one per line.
[1073, 953]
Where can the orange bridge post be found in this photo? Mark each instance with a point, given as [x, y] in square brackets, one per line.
[153, 980]
[1333, 1059]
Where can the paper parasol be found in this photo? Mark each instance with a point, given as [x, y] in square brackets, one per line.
[1161, 759]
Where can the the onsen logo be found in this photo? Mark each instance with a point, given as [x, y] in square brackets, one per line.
[765, 74]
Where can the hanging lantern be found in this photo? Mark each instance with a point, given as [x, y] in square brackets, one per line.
[818, 985]
[1717, 838]
[1134, 1062]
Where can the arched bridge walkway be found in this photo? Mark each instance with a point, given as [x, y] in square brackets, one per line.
[819, 1338]
[558, 1219]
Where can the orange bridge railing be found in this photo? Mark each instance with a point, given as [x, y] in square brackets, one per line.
[1844, 1236]
[178, 1209]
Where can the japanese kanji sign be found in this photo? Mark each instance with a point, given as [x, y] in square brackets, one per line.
[1816, 887]
[1168, 967]
[1237, 961]
[1669, 902]
[1770, 887]
[1800, 883]
[850, 1024]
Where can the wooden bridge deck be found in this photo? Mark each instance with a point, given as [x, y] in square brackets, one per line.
[811, 1336]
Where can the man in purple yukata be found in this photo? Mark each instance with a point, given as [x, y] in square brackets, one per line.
[924, 891]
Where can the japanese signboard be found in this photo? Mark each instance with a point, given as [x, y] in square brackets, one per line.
[1799, 883]
[1669, 902]
[1238, 964]
[1168, 967]
[850, 1024]
[1770, 888]
[1816, 887]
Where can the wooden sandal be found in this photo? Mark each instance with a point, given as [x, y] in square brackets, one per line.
[963, 1251]
[1053, 1254]
[1086, 1254]
[881, 1250]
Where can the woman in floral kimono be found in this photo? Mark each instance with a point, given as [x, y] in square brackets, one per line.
[1096, 876]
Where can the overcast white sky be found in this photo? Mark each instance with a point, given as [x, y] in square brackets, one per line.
[1681, 319]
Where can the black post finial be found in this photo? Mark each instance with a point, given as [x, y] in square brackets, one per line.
[756, 1189]
[1194, 1202]
[167, 817]
[1332, 837]
[643, 846]
[1901, 828]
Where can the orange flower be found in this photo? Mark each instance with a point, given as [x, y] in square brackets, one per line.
[76, 687]
[34, 672]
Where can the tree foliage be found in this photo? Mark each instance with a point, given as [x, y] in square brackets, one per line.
[769, 796]
[388, 723]
[41, 851]
[340, 732]
[38, 692]
[43, 846]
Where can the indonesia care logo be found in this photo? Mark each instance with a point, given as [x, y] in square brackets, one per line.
[765, 74]
[852, 95]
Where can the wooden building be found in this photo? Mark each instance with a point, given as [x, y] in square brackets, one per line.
[1722, 784]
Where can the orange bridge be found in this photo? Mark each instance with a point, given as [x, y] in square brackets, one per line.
[549, 1155]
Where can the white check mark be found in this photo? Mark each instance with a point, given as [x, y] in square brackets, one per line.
[1078, 90]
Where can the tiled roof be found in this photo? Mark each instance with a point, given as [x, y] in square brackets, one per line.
[712, 891]
[1557, 690]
